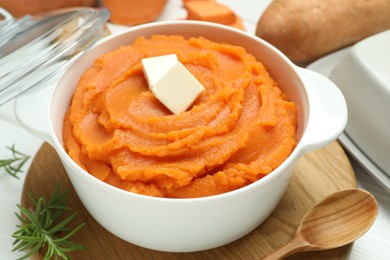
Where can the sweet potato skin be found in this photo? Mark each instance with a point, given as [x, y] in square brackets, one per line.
[307, 30]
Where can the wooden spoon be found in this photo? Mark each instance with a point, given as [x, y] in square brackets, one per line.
[339, 219]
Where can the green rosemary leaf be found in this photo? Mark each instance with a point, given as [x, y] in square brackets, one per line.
[30, 217]
[31, 197]
[70, 234]
[19, 217]
[34, 250]
[60, 226]
[46, 226]
[14, 165]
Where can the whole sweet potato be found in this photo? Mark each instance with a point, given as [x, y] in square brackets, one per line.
[307, 30]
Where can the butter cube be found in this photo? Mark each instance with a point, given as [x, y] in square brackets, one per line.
[177, 89]
[156, 67]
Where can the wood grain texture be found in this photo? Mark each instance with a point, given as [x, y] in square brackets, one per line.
[317, 175]
[337, 220]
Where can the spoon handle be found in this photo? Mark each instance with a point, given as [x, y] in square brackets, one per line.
[296, 244]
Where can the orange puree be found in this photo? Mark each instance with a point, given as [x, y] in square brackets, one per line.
[240, 129]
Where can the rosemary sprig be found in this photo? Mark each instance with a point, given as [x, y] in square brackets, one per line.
[41, 227]
[14, 165]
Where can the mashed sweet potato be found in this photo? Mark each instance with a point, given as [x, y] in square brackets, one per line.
[240, 129]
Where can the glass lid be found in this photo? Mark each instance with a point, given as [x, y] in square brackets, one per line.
[34, 48]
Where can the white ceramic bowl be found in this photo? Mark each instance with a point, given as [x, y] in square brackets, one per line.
[183, 225]
[363, 75]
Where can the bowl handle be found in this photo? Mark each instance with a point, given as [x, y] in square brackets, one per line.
[328, 110]
[32, 110]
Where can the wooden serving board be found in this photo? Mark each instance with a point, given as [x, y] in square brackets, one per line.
[317, 175]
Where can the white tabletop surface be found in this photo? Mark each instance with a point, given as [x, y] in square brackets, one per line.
[375, 244]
